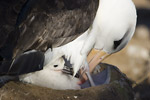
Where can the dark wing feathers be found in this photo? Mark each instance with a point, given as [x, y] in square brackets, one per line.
[44, 23]
[9, 11]
[39, 24]
[55, 25]
[27, 62]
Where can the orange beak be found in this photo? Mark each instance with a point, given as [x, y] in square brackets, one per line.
[94, 58]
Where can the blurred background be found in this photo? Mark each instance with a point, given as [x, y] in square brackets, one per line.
[134, 60]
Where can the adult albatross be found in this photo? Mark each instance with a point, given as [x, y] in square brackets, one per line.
[39, 25]
[111, 30]
[105, 30]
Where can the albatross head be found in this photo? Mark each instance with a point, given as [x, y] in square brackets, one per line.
[112, 29]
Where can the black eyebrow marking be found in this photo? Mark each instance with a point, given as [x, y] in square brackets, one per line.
[117, 43]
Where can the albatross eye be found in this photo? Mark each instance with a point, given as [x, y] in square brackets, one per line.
[117, 43]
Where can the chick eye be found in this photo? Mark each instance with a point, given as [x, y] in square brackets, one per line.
[55, 66]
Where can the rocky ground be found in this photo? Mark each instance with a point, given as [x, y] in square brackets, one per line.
[119, 88]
